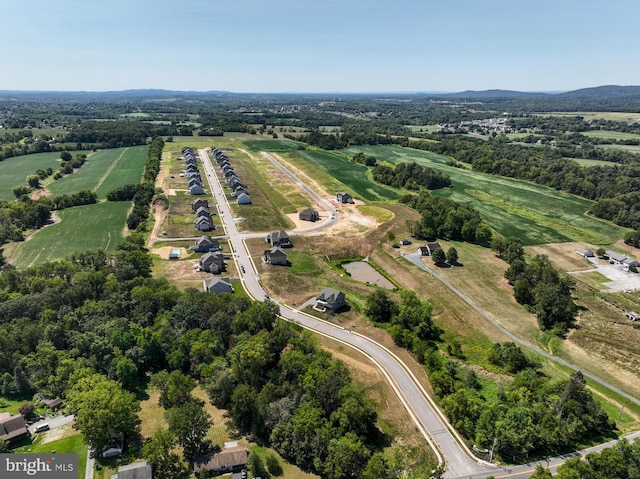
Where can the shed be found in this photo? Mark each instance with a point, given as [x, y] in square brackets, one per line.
[174, 254]
[586, 253]
[617, 257]
[230, 459]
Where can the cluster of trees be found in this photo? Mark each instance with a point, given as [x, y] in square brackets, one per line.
[142, 193]
[444, 218]
[633, 238]
[411, 176]
[409, 323]
[538, 285]
[621, 461]
[33, 181]
[439, 257]
[119, 133]
[364, 159]
[92, 327]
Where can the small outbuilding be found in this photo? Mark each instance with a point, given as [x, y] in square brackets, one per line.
[585, 253]
[230, 459]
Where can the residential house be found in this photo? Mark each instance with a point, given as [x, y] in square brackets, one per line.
[330, 298]
[617, 257]
[203, 211]
[197, 203]
[344, 198]
[629, 263]
[212, 262]
[191, 167]
[279, 238]
[216, 285]
[230, 459]
[275, 255]
[243, 199]
[239, 190]
[137, 470]
[231, 179]
[309, 215]
[196, 190]
[204, 223]
[429, 248]
[52, 404]
[12, 428]
[194, 182]
[236, 184]
[204, 244]
[586, 253]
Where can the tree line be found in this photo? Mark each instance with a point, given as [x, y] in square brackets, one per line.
[411, 176]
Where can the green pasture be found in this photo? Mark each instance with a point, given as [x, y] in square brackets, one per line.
[611, 135]
[535, 214]
[587, 162]
[423, 128]
[81, 228]
[14, 171]
[630, 148]
[73, 444]
[272, 145]
[104, 171]
[597, 115]
[354, 176]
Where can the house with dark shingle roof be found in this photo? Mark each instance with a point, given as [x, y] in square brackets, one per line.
[279, 238]
[429, 248]
[216, 285]
[212, 262]
[275, 255]
[330, 298]
[309, 215]
[203, 211]
[204, 223]
[344, 198]
[197, 203]
[137, 470]
[204, 244]
[12, 428]
[244, 199]
[196, 190]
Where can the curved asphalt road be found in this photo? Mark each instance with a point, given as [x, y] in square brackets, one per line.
[430, 421]
[428, 418]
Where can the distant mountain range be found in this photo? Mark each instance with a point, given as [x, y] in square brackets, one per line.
[594, 93]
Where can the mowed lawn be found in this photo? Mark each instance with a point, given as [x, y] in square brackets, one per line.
[535, 214]
[81, 228]
[14, 171]
[272, 145]
[354, 176]
[104, 171]
[612, 135]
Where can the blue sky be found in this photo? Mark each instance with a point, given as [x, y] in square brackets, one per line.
[318, 46]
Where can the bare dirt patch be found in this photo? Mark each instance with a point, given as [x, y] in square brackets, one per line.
[563, 255]
[58, 433]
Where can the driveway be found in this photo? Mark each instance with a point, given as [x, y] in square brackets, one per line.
[619, 280]
[52, 421]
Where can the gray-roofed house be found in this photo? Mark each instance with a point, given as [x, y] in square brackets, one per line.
[429, 248]
[244, 199]
[191, 167]
[344, 198]
[137, 470]
[203, 211]
[330, 298]
[194, 181]
[204, 223]
[239, 190]
[275, 255]
[12, 428]
[212, 262]
[216, 285]
[586, 253]
[204, 244]
[198, 202]
[52, 404]
[279, 238]
[196, 190]
[236, 184]
[629, 263]
[230, 459]
[617, 257]
[309, 215]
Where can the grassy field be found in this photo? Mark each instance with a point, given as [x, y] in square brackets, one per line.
[630, 148]
[513, 207]
[354, 176]
[272, 145]
[597, 115]
[71, 443]
[586, 162]
[81, 228]
[36, 131]
[613, 135]
[14, 171]
[104, 171]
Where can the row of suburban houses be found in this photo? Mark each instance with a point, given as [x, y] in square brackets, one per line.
[238, 189]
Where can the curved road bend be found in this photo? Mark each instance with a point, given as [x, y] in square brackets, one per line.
[426, 416]
[416, 259]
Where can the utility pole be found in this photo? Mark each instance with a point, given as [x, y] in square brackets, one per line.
[495, 441]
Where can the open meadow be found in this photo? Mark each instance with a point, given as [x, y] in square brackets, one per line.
[596, 115]
[14, 171]
[535, 214]
[611, 135]
[81, 228]
[104, 171]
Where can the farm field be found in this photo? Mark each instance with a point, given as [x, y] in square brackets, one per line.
[514, 208]
[613, 135]
[104, 171]
[14, 171]
[272, 145]
[81, 228]
[597, 115]
[340, 170]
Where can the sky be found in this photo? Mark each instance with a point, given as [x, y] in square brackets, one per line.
[318, 46]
